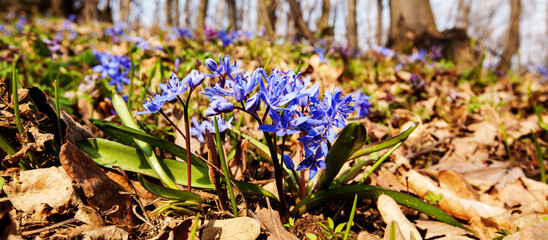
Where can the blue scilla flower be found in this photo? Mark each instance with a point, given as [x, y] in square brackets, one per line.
[194, 78]
[173, 88]
[153, 104]
[362, 103]
[288, 162]
[312, 164]
[225, 38]
[218, 104]
[341, 106]
[295, 83]
[283, 125]
[387, 52]
[115, 67]
[274, 93]
[242, 85]
[198, 129]
[224, 69]
[418, 56]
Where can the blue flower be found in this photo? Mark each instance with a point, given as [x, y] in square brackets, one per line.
[198, 129]
[362, 103]
[195, 78]
[115, 67]
[225, 38]
[224, 69]
[173, 87]
[418, 56]
[288, 162]
[218, 104]
[274, 93]
[285, 125]
[312, 164]
[387, 52]
[153, 104]
[242, 85]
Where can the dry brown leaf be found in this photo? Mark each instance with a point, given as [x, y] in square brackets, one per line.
[39, 187]
[450, 203]
[538, 231]
[364, 235]
[238, 164]
[89, 216]
[176, 229]
[270, 219]
[391, 212]
[388, 180]
[454, 182]
[240, 228]
[87, 232]
[101, 191]
[439, 230]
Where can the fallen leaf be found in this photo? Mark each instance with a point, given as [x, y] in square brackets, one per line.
[391, 212]
[87, 232]
[439, 230]
[364, 235]
[176, 229]
[393, 232]
[240, 228]
[34, 188]
[533, 232]
[101, 191]
[270, 219]
[454, 182]
[450, 202]
[89, 216]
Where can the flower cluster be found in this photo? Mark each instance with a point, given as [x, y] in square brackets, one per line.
[171, 90]
[199, 128]
[293, 106]
[362, 104]
[115, 67]
[177, 33]
[228, 38]
[116, 32]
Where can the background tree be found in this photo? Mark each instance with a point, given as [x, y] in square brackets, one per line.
[409, 19]
[297, 16]
[323, 22]
[232, 14]
[202, 14]
[378, 33]
[351, 26]
[511, 42]
[267, 16]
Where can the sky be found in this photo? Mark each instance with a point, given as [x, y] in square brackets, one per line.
[490, 30]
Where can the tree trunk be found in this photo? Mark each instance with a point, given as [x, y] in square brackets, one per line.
[124, 9]
[267, 16]
[202, 16]
[187, 14]
[89, 11]
[378, 34]
[297, 15]
[221, 11]
[511, 42]
[323, 23]
[351, 26]
[409, 19]
[168, 12]
[177, 14]
[232, 14]
[464, 11]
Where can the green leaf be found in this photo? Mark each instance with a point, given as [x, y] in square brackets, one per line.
[372, 192]
[311, 236]
[330, 223]
[339, 228]
[374, 147]
[126, 135]
[168, 193]
[109, 154]
[351, 139]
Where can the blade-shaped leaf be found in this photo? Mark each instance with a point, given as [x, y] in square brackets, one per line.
[109, 154]
[374, 147]
[351, 139]
[372, 192]
[168, 193]
[126, 135]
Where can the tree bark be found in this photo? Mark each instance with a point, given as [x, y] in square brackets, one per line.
[89, 11]
[232, 14]
[378, 34]
[409, 19]
[168, 7]
[202, 16]
[297, 15]
[176, 14]
[351, 26]
[124, 9]
[464, 11]
[187, 14]
[267, 16]
[511, 42]
[323, 23]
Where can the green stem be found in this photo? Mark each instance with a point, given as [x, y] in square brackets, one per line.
[505, 139]
[351, 220]
[540, 159]
[187, 141]
[371, 148]
[15, 98]
[225, 168]
[5, 145]
[378, 163]
[194, 227]
[58, 112]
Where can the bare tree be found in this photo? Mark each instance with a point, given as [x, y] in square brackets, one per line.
[232, 14]
[409, 19]
[267, 16]
[124, 9]
[202, 14]
[297, 15]
[511, 42]
[464, 11]
[378, 34]
[187, 13]
[351, 26]
[323, 23]
[168, 8]
[176, 14]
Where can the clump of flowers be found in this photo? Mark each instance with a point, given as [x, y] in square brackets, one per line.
[362, 104]
[114, 67]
